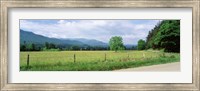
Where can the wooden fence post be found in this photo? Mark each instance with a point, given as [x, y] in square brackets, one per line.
[28, 60]
[74, 58]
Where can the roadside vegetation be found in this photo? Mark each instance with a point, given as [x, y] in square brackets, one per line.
[93, 60]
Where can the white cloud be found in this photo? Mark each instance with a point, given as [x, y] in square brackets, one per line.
[61, 21]
[91, 29]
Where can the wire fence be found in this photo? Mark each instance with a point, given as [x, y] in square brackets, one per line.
[87, 57]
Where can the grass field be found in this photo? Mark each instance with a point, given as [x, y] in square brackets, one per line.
[92, 60]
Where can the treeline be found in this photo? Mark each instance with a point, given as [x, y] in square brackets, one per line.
[165, 35]
[77, 48]
[37, 47]
[53, 47]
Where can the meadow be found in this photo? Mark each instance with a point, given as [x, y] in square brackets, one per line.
[92, 60]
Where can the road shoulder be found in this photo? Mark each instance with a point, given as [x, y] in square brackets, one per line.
[175, 66]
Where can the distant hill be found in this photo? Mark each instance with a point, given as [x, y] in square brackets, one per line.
[30, 37]
[130, 46]
[91, 42]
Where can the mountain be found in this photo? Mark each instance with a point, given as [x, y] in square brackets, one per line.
[30, 37]
[91, 42]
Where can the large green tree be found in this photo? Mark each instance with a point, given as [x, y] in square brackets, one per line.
[170, 36]
[116, 43]
[141, 45]
[165, 35]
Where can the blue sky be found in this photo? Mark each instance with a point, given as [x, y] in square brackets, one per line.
[130, 30]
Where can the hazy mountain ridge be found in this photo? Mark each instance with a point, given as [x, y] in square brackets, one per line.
[30, 37]
[91, 42]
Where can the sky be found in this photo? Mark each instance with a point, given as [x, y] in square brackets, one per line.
[130, 30]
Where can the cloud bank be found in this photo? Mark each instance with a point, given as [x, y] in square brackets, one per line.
[130, 30]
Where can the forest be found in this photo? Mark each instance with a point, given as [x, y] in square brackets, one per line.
[165, 35]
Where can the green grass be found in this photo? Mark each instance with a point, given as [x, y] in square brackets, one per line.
[93, 60]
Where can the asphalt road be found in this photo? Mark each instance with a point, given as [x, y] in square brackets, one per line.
[162, 67]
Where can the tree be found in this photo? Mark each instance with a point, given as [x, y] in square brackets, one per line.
[33, 47]
[170, 36]
[150, 39]
[116, 43]
[75, 47]
[22, 47]
[29, 47]
[52, 46]
[165, 35]
[46, 45]
[141, 45]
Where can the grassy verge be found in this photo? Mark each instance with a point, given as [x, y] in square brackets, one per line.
[107, 65]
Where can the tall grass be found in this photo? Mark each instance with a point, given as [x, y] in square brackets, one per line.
[93, 60]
